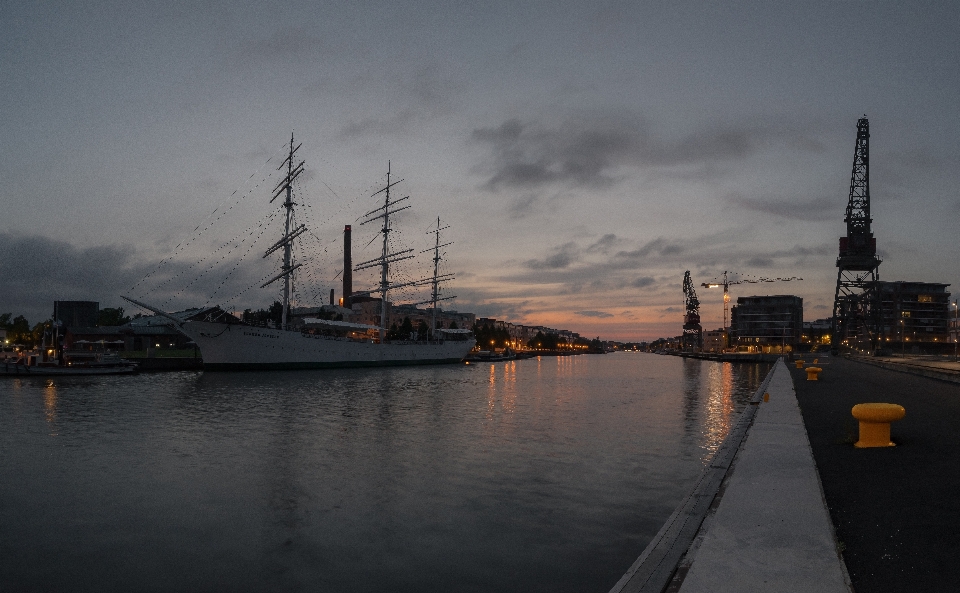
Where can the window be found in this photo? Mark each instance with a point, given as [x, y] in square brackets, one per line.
[924, 298]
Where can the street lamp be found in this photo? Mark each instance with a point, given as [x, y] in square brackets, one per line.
[956, 329]
[901, 338]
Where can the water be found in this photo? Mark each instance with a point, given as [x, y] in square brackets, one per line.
[533, 475]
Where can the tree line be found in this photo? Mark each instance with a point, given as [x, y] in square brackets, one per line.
[19, 330]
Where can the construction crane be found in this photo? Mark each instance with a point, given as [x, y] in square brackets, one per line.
[726, 288]
[692, 331]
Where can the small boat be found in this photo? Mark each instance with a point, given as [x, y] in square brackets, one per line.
[38, 363]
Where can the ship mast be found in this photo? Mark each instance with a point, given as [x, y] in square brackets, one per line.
[386, 258]
[435, 293]
[285, 186]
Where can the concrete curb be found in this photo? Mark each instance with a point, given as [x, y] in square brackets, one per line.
[913, 369]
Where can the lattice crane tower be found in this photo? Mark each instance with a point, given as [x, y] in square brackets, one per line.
[692, 332]
[856, 308]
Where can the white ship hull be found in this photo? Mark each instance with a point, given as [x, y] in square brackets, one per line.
[235, 347]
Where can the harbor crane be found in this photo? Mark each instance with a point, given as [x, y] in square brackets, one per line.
[726, 282]
[692, 331]
[857, 309]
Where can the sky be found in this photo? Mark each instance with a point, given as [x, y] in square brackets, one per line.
[584, 155]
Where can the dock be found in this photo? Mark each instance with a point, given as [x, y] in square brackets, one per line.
[789, 504]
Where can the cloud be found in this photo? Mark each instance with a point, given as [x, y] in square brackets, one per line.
[658, 246]
[283, 43]
[59, 271]
[62, 271]
[564, 256]
[642, 282]
[816, 209]
[588, 151]
[604, 244]
[759, 262]
[593, 314]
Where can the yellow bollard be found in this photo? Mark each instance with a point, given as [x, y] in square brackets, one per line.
[766, 397]
[799, 363]
[875, 422]
[812, 373]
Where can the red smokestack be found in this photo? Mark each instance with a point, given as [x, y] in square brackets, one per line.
[347, 268]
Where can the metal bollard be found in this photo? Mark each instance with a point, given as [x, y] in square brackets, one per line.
[812, 373]
[875, 422]
[799, 363]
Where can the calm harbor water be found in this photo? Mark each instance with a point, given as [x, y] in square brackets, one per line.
[536, 475]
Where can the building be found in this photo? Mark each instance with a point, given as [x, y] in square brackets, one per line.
[767, 323]
[77, 313]
[914, 315]
[714, 340]
[817, 334]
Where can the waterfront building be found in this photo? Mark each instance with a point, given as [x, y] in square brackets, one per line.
[767, 323]
[715, 340]
[915, 315]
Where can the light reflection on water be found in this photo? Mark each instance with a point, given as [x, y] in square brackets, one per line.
[542, 474]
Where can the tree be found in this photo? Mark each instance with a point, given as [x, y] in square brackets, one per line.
[423, 331]
[18, 330]
[394, 332]
[110, 317]
[262, 316]
[453, 325]
[406, 329]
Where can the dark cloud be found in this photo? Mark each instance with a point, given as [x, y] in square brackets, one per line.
[642, 282]
[35, 271]
[817, 209]
[658, 246]
[586, 152]
[593, 314]
[604, 244]
[564, 255]
[59, 270]
[759, 262]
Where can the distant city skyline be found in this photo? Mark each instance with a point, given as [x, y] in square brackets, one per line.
[584, 156]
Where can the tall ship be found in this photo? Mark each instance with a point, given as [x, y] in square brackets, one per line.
[227, 343]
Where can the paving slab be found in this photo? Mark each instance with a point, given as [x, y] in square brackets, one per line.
[771, 530]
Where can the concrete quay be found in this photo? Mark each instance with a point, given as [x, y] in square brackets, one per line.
[756, 521]
[770, 530]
